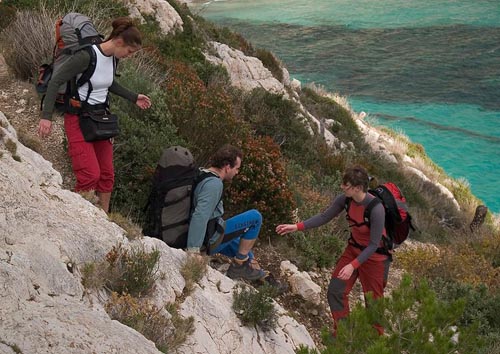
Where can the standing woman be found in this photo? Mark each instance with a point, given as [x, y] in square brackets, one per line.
[93, 161]
[365, 257]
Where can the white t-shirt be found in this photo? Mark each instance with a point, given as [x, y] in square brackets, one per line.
[101, 80]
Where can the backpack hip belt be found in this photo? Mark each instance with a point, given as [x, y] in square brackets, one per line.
[381, 250]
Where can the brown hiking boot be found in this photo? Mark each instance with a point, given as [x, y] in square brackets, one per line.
[245, 270]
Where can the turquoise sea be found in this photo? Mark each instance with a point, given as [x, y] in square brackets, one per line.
[428, 68]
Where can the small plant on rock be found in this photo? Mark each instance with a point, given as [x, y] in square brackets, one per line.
[163, 326]
[255, 307]
[192, 271]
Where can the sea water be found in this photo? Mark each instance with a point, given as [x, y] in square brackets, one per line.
[427, 68]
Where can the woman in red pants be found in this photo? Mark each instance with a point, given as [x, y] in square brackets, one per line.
[364, 257]
[92, 161]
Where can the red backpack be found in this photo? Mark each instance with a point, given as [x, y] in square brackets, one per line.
[397, 218]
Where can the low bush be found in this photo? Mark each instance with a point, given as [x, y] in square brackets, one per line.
[261, 184]
[164, 327]
[124, 271]
[270, 62]
[193, 270]
[481, 305]
[326, 108]
[203, 116]
[143, 136]
[315, 249]
[255, 307]
[415, 321]
[458, 263]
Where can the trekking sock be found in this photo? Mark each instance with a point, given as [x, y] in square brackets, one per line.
[240, 258]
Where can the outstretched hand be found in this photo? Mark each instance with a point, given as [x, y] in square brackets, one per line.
[143, 101]
[285, 228]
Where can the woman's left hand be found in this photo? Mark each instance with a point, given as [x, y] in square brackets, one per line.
[143, 101]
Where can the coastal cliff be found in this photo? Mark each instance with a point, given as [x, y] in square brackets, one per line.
[48, 234]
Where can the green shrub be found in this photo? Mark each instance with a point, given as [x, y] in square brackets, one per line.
[482, 306]
[270, 62]
[143, 136]
[255, 307]
[166, 331]
[414, 321]
[203, 116]
[327, 108]
[272, 115]
[132, 271]
[213, 32]
[315, 249]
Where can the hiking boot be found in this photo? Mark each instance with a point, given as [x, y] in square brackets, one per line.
[244, 271]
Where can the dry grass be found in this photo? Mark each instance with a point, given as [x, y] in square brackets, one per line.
[193, 270]
[29, 141]
[28, 42]
[132, 230]
[90, 196]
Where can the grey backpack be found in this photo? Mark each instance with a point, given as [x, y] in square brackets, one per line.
[168, 210]
[74, 32]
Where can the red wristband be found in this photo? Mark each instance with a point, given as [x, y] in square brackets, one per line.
[300, 226]
[355, 264]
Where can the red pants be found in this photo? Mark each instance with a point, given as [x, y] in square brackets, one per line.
[92, 162]
[373, 277]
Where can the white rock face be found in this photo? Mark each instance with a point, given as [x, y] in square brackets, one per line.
[245, 72]
[43, 306]
[301, 283]
[168, 19]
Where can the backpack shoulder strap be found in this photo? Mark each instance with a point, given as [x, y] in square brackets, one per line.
[87, 74]
[366, 214]
[368, 210]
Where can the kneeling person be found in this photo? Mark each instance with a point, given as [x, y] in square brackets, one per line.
[241, 231]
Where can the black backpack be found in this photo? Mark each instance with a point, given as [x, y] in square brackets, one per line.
[169, 204]
[397, 218]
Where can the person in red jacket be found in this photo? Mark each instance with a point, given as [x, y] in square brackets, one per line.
[364, 257]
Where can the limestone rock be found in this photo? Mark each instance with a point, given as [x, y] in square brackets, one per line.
[245, 72]
[47, 234]
[168, 19]
[301, 283]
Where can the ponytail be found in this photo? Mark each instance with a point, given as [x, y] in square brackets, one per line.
[124, 28]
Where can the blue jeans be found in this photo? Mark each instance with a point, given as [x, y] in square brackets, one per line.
[246, 226]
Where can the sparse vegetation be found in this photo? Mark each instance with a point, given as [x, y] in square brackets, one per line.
[415, 321]
[164, 326]
[255, 307]
[193, 270]
[125, 271]
[132, 230]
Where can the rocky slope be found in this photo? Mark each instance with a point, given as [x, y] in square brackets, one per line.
[48, 233]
